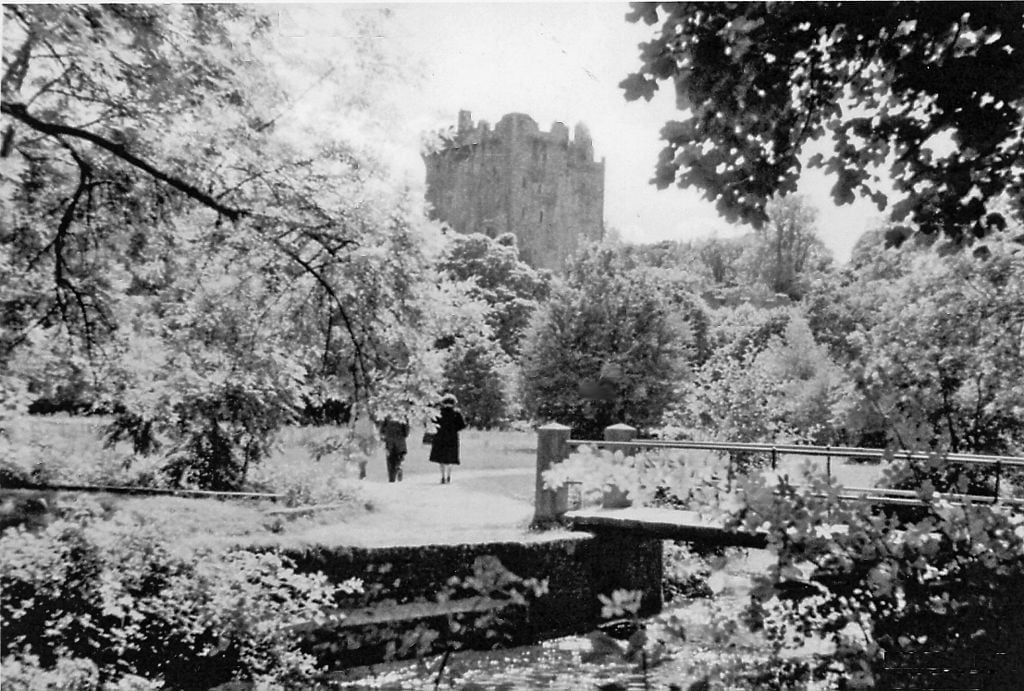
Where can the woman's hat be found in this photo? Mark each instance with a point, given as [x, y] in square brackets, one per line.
[449, 399]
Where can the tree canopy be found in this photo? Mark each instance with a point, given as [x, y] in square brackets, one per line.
[509, 286]
[934, 93]
[788, 249]
[151, 153]
[608, 346]
[181, 222]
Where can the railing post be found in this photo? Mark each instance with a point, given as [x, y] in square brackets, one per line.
[617, 497]
[552, 447]
[621, 432]
[999, 474]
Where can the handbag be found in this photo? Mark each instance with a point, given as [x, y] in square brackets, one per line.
[428, 437]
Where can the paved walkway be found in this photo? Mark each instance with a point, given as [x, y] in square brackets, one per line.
[421, 511]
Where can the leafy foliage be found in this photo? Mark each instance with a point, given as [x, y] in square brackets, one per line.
[607, 347]
[174, 232]
[781, 387]
[508, 285]
[651, 477]
[943, 359]
[934, 93]
[932, 342]
[479, 359]
[788, 250]
[110, 591]
[482, 376]
[904, 605]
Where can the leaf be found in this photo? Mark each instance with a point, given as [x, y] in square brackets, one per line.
[638, 86]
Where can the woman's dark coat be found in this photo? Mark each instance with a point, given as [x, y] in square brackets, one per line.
[445, 447]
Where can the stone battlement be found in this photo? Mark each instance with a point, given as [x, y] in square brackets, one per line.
[521, 126]
[543, 187]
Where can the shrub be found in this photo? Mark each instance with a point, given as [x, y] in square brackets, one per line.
[481, 376]
[607, 347]
[782, 388]
[685, 573]
[893, 598]
[111, 592]
[26, 673]
[656, 476]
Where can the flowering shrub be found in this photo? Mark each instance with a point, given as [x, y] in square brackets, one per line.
[112, 593]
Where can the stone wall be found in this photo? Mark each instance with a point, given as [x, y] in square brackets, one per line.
[578, 568]
[544, 187]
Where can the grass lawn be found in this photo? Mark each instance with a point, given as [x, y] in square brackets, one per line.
[493, 461]
[490, 497]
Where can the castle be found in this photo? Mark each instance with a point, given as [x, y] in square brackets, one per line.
[543, 187]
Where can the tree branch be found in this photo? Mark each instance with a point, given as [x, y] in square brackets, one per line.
[15, 74]
[61, 281]
[19, 112]
[47, 86]
[360, 357]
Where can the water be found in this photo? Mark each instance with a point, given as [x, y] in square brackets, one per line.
[692, 630]
[555, 664]
[565, 664]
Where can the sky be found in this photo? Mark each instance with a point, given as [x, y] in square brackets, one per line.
[561, 62]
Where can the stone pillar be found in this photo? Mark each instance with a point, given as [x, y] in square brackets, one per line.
[621, 432]
[552, 447]
[617, 497]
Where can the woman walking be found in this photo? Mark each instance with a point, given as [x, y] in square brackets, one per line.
[444, 450]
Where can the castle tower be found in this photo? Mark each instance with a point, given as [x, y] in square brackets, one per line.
[543, 187]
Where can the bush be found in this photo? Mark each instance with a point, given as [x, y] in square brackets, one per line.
[782, 388]
[608, 346]
[685, 573]
[481, 376]
[26, 673]
[675, 477]
[111, 592]
[894, 598]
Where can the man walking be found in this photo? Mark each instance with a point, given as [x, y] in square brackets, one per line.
[394, 434]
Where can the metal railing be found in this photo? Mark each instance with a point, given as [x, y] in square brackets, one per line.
[554, 445]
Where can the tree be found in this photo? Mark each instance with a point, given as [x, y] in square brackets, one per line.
[509, 286]
[768, 381]
[483, 377]
[167, 214]
[606, 347]
[721, 257]
[935, 93]
[788, 249]
[944, 359]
